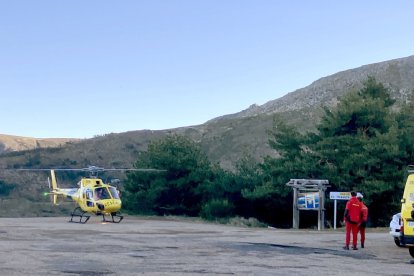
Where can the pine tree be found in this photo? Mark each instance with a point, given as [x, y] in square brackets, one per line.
[359, 148]
[176, 191]
[361, 145]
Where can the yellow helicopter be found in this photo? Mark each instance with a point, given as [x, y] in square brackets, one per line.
[92, 196]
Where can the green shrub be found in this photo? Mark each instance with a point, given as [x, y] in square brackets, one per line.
[217, 208]
[243, 222]
[5, 189]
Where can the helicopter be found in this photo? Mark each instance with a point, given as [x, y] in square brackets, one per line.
[92, 196]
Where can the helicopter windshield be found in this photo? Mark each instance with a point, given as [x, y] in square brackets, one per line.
[101, 193]
[114, 193]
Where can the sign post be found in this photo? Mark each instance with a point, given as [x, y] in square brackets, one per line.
[335, 204]
[339, 196]
[308, 194]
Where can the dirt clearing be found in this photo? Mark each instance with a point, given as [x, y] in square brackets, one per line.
[52, 246]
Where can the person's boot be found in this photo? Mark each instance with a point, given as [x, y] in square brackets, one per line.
[362, 245]
[354, 247]
[346, 247]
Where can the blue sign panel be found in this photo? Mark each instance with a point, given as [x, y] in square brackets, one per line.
[308, 201]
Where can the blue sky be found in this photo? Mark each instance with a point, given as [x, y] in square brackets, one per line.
[85, 68]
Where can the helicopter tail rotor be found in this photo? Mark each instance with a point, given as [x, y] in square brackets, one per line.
[54, 199]
[54, 187]
[52, 196]
[53, 177]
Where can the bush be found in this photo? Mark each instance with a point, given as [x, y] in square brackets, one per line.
[217, 208]
[5, 189]
[243, 222]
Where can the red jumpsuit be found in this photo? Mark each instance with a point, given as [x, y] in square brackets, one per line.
[353, 207]
[364, 219]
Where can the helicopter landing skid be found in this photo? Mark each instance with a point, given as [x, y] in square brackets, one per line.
[115, 218]
[79, 214]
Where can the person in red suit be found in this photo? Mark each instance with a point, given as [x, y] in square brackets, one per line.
[364, 219]
[352, 218]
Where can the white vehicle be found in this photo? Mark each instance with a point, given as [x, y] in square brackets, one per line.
[395, 229]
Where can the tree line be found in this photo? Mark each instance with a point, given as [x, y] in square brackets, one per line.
[364, 144]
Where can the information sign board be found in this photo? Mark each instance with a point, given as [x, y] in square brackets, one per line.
[308, 201]
[341, 195]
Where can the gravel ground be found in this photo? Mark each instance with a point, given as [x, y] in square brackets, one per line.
[167, 246]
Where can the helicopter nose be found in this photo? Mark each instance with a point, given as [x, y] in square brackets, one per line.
[114, 207]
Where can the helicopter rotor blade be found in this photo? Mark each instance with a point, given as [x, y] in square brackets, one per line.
[92, 170]
[137, 170]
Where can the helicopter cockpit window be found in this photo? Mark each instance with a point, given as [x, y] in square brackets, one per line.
[88, 194]
[101, 193]
[114, 192]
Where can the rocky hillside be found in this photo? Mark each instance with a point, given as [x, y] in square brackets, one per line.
[9, 143]
[397, 75]
[227, 138]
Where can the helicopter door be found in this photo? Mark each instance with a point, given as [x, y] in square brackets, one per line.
[88, 197]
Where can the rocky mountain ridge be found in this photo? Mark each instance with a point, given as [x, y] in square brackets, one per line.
[225, 139]
[10, 143]
[397, 75]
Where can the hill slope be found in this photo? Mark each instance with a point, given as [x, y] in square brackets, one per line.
[225, 139]
[10, 143]
[228, 137]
